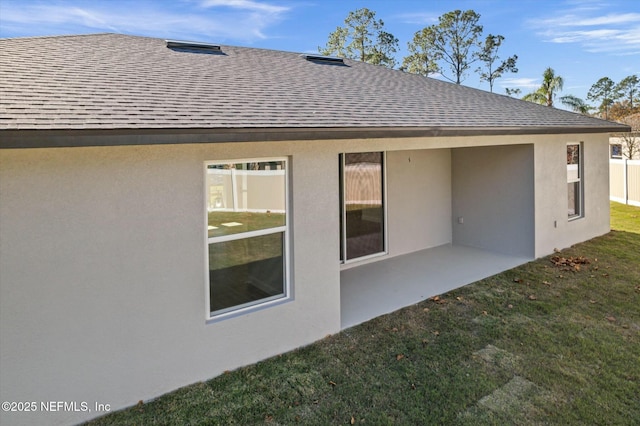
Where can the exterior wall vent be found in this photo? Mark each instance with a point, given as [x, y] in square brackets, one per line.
[323, 59]
[192, 45]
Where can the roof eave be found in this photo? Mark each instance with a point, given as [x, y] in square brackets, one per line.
[50, 138]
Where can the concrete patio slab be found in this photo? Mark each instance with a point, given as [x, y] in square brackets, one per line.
[382, 287]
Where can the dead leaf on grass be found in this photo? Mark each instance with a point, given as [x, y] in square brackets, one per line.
[353, 420]
[332, 383]
[399, 357]
[611, 319]
[532, 297]
[571, 262]
[517, 280]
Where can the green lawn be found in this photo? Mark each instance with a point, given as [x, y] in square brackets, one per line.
[625, 218]
[219, 221]
[555, 341]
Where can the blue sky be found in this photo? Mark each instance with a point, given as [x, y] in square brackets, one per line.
[582, 40]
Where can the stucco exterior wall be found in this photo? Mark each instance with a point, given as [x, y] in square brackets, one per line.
[418, 199]
[624, 142]
[493, 196]
[103, 273]
[102, 255]
[553, 229]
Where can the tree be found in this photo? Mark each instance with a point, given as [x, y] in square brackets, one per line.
[620, 110]
[512, 92]
[628, 88]
[546, 93]
[423, 58]
[603, 90]
[576, 104]
[450, 41]
[488, 54]
[363, 39]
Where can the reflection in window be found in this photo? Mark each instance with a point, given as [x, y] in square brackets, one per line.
[246, 233]
[362, 205]
[574, 180]
[616, 150]
[244, 271]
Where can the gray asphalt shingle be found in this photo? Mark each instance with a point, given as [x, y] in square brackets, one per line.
[112, 81]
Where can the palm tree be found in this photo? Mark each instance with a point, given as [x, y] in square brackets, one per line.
[576, 104]
[551, 83]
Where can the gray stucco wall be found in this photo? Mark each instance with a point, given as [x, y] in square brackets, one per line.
[553, 229]
[493, 197]
[418, 199]
[103, 273]
[102, 253]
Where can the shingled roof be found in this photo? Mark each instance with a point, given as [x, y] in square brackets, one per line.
[115, 82]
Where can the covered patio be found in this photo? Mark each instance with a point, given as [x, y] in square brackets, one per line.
[382, 287]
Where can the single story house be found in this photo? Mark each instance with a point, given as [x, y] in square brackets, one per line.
[173, 210]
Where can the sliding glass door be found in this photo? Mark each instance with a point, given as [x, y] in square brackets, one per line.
[362, 205]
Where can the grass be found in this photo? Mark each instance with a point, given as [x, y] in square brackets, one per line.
[554, 341]
[247, 222]
[625, 218]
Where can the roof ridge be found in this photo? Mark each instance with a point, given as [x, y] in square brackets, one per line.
[56, 36]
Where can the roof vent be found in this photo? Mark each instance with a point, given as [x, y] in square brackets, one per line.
[323, 59]
[192, 46]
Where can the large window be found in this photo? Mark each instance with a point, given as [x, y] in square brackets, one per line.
[362, 205]
[247, 235]
[575, 180]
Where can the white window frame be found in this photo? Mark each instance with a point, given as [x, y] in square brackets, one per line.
[343, 208]
[285, 230]
[579, 180]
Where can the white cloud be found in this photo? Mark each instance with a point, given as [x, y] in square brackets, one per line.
[574, 20]
[239, 20]
[245, 5]
[524, 82]
[417, 18]
[593, 29]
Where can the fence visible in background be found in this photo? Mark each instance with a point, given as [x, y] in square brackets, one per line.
[624, 181]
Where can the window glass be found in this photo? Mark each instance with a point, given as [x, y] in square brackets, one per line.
[574, 180]
[616, 150]
[243, 197]
[246, 233]
[573, 162]
[244, 271]
[574, 199]
[362, 204]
